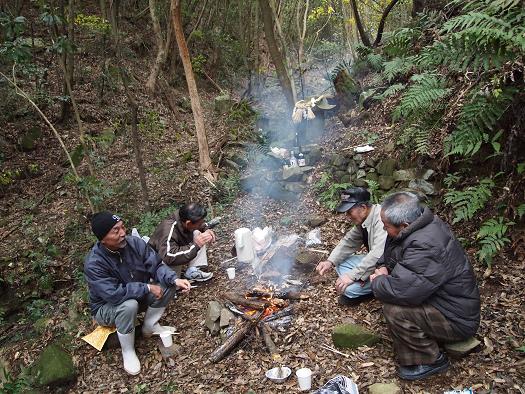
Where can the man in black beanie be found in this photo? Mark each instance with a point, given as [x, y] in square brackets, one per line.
[125, 276]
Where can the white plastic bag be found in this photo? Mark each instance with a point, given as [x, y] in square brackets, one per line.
[313, 237]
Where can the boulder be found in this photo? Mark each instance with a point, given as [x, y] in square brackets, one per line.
[423, 186]
[294, 174]
[213, 314]
[315, 220]
[54, 367]
[404, 175]
[294, 187]
[386, 167]
[28, 140]
[222, 103]
[352, 167]
[362, 164]
[386, 182]
[338, 176]
[249, 182]
[360, 183]
[370, 162]
[338, 160]
[427, 174]
[352, 336]
[390, 147]
[458, 349]
[360, 174]
[313, 156]
[277, 192]
[384, 388]
[225, 318]
[347, 178]
[372, 176]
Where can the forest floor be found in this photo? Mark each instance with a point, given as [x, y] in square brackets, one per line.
[496, 367]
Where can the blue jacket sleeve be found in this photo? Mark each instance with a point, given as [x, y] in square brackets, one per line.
[159, 271]
[104, 285]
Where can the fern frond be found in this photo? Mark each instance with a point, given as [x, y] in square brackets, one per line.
[469, 201]
[492, 238]
[477, 118]
[451, 179]
[416, 137]
[520, 211]
[391, 90]
[423, 97]
[400, 42]
[397, 67]
[375, 61]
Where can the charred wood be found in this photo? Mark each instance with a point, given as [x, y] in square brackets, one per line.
[241, 300]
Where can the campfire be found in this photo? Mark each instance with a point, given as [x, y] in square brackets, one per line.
[263, 310]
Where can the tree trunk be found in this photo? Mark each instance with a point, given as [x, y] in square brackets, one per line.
[347, 16]
[359, 24]
[138, 152]
[114, 15]
[301, 34]
[103, 10]
[280, 68]
[161, 49]
[205, 163]
[381, 26]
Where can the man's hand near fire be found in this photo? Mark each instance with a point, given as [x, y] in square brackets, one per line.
[183, 285]
[205, 238]
[342, 283]
[323, 267]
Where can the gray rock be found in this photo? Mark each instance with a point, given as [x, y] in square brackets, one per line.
[384, 388]
[428, 174]
[458, 349]
[386, 167]
[226, 317]
[185, 104]
[53, 367]
[386, 182]
[313, 156]
[307, 148]
[404, 175]
[361, 174]
[213, 315]
[370, 162]
[293, 174]
[353, 336]
[286, 220]
[277, 192]
[423, 186]
[339, 160]
[358, 157]
[28, 140]
[222, 103]
[372, 176]
[347, 178]
[249, 182]
[338, 175]
[295, 187]
[315, 220]
[362, 164]
[352, 167]
[4, 370]
[360, 182]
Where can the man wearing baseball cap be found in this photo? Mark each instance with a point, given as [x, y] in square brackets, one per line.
[353, 269]
[125, 276]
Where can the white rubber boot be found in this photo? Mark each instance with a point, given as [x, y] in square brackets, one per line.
[131, 361]
[151, 322]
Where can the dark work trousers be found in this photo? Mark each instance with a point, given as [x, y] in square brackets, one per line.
[417, 330]
[123, 316]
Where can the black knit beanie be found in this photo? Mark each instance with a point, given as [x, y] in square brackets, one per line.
[102, 222]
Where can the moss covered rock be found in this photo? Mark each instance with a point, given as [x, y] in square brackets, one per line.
[384, 388]
[53, 367]
[353, 336]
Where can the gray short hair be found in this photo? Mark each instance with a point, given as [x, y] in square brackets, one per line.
[402, 207]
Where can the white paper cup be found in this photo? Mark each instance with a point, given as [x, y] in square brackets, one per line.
[304, 378]
[231, 272]
[167, 339]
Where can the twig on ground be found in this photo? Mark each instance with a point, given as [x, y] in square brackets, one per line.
[326, 347]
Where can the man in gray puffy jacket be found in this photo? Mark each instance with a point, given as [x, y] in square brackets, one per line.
[427, 285]
[126, 276]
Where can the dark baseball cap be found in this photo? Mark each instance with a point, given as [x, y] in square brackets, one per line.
[351, 197]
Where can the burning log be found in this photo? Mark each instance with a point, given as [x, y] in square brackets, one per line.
[250, 303]
[285, 295]
[230, 343]
[288, 311]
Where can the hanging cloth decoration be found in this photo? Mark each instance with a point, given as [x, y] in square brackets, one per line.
[303, 108]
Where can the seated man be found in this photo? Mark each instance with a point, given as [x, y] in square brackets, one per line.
[426, 284]
[182, 239]
[126, 276]
[353, 269]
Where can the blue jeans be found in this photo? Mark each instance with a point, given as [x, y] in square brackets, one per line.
[355, 289]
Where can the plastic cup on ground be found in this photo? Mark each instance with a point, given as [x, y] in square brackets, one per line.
[231, 272]
[167, 339]
[304, 378]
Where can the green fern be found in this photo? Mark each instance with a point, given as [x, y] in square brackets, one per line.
[328, 191]
[451, 180]
[391, 90]
[400, 42]
[520, 211]
[477, 118]
[416, 137]
[491, 238]
[469, 201]
[375, 192]
[397, 67]
[375, 61]
[423, 97]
